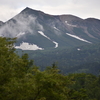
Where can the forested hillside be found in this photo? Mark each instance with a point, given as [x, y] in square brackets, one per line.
[20, 79]
[79, 59]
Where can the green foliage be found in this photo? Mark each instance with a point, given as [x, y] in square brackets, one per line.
[20, 79]
[74, 60]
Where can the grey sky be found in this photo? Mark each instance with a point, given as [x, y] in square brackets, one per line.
[80, 8]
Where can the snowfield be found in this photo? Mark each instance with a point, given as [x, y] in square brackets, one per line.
[27, 46]
[74, 36]
[56, 44]
[70, 24]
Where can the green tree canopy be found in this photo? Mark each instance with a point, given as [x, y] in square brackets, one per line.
[20, 79]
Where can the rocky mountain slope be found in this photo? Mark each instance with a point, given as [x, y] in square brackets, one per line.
[37, 30]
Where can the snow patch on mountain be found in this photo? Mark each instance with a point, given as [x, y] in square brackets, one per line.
[74, 36]
[43, 35]
[70, 24]
[56, 28]
[56, 44]
[27, 46]
[78, 49]
[20, 34]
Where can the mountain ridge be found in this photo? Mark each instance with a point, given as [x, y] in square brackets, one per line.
[36, 28]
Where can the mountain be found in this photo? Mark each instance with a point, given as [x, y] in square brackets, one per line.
[37, 30]
[72, 42]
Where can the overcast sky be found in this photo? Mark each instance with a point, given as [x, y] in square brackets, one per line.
[80, 8]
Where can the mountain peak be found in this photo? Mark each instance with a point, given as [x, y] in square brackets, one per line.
[27, 8]
[92, 19]
[30, 11]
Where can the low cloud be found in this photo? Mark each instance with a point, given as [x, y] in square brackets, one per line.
[20, 23]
